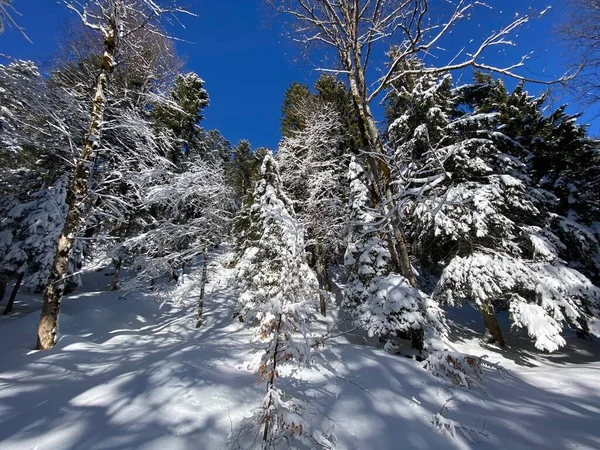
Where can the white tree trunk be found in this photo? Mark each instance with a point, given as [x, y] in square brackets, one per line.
[77, 195]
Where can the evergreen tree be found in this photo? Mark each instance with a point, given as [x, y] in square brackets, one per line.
[476, 217]
[29, 235]
[383, 302]
[243, 164]
[312, 172]
[327, 90]
[290, 119]
[182, 113]
[278, 294]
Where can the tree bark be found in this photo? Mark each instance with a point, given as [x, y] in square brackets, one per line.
[271, 383]
[202, 287]
[77, 195]
[3, 283]
[492, 325]
[13, 295]
[323, 277]
[377, 165]
[115, 280]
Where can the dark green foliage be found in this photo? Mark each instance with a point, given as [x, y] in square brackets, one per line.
[290, 119]
[329, 90]
[182, 114]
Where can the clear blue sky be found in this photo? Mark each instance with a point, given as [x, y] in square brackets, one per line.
[237, 48]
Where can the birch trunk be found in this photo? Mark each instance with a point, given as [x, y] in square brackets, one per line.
[380, 173]
[13, 295]
[77, 195]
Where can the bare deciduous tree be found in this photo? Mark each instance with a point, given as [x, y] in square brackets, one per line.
[116, 21]
[354, 30]
[7, 10]
[582, 34]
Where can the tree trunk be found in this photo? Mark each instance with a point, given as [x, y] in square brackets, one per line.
[13, 294]
[115, 279]
[77, 195]
[270, 384]
[323, 277]
[491, 323]
[202, 287]
[417, 339]
[377, 165]
[3, 283]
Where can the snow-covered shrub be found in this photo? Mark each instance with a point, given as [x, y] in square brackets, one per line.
[457, 368]
[282, 416]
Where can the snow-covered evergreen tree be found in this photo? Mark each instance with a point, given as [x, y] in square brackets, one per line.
[29, 235]
[478, 221]
[383, 302]
[38, 126]
[278, 295]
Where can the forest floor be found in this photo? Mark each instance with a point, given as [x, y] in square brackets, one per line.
[134, 373]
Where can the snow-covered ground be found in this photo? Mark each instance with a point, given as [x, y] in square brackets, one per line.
[134, 373]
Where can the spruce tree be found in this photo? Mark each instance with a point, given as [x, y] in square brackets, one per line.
[477, 220]
[278, 296]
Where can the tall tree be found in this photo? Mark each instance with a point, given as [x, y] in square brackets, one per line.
[243, 164]
[183, 113]
[313, 174]
[115, 21]
[352, 30]
[295, 94]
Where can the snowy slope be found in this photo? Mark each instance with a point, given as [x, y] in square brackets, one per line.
[134, 373]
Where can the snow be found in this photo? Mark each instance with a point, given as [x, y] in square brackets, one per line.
[134, 373]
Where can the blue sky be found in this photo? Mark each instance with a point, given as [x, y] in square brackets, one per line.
[238, 49]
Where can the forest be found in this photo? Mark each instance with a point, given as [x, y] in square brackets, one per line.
[415, 265]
